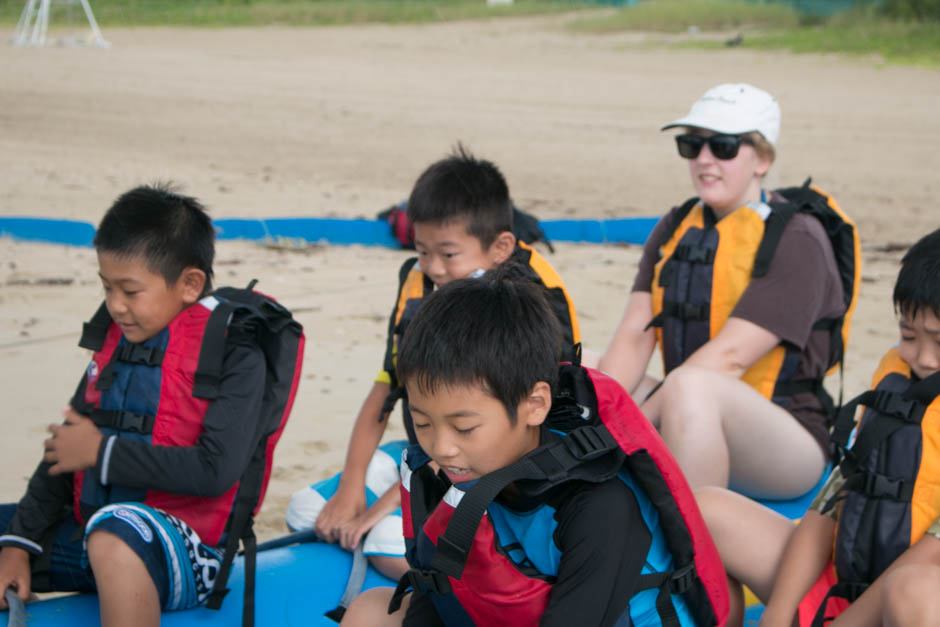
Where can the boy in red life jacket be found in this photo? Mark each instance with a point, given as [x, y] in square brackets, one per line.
[868, 549]
[137, 511]
[480, 362]
[462, 215]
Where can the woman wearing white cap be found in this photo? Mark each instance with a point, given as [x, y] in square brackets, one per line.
[743, 291]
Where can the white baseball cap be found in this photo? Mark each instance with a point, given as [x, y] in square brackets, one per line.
[734, 108]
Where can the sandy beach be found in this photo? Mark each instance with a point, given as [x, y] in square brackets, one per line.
[276, 122]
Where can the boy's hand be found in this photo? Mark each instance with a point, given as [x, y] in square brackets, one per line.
[342, 508]
[74, 445]
[14, 573]
[351, 533]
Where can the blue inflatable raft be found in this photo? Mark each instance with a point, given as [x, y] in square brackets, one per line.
[295, 585]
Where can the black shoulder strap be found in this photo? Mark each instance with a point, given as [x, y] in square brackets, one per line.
[208, 374]
[95, 330]
[680, 215]
[551, 464]
[896, 410]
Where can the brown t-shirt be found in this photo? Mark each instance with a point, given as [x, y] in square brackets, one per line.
[801, 287]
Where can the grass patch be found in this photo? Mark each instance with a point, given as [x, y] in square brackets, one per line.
[861, 31]
[913, 43]
[220, 13]
[676, 16]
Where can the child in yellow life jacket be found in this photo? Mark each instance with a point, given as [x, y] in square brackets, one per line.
[868, 550]
[746, 293]
[462, 215]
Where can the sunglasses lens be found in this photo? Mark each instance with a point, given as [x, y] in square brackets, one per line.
[689, 145]
[724, 146]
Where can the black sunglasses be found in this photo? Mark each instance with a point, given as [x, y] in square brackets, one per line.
[723, 147]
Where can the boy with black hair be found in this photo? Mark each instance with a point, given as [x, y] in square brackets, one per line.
[868, 550]
[480, 364]
[462, 216]
[138, 484]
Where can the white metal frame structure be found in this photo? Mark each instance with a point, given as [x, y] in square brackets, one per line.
[34, 22]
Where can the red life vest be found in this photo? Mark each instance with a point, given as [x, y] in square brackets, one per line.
[605, 435]
[178, 418]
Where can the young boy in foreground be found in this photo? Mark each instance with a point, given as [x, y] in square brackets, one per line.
[462, 216]
[480, 363]
[136, 511]
[881, 548]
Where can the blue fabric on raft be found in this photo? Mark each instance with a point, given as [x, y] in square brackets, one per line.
[328, 230]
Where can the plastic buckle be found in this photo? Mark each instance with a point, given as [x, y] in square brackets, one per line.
[129, 421]
[588, 442]
[880, 486]
[681, 580]
[429, 581]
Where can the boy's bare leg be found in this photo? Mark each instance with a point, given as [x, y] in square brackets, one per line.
[750, 539]
[126, 592]
[910, 596]
[370, 609]
[391, 567]
[722, 432]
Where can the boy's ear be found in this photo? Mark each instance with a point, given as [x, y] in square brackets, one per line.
[534, 408]
[502, 247]
[191, 281]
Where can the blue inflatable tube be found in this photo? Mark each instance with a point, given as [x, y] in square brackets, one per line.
[295, 585]
[336, 231]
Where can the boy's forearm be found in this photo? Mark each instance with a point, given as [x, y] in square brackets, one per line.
[807, 554]
[366, 434]
[385, 505]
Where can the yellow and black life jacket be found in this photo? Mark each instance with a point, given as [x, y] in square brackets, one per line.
[891, 494]
[706, 264]
[414, 286]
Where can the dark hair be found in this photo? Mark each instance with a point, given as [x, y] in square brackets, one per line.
[169, 231]
[917, 285]
[462, 187]
[497, 331]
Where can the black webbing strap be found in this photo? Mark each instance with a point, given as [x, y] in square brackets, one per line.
[880, 486]
[848, 591]
[552, 463]
[95, 330]
[694, 254]
[241, 527]
[249, 544]
[422, 582]
[678, 581]
[774, 226]
[208, 374]
[684, 311]
[139, 354]
[122, 420]
[896, 411]
[844, 423]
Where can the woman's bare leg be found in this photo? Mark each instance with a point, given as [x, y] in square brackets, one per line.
[723, 433]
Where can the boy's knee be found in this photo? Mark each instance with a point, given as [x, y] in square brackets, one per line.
[108, 552]
[910, 595]
[303, 509]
